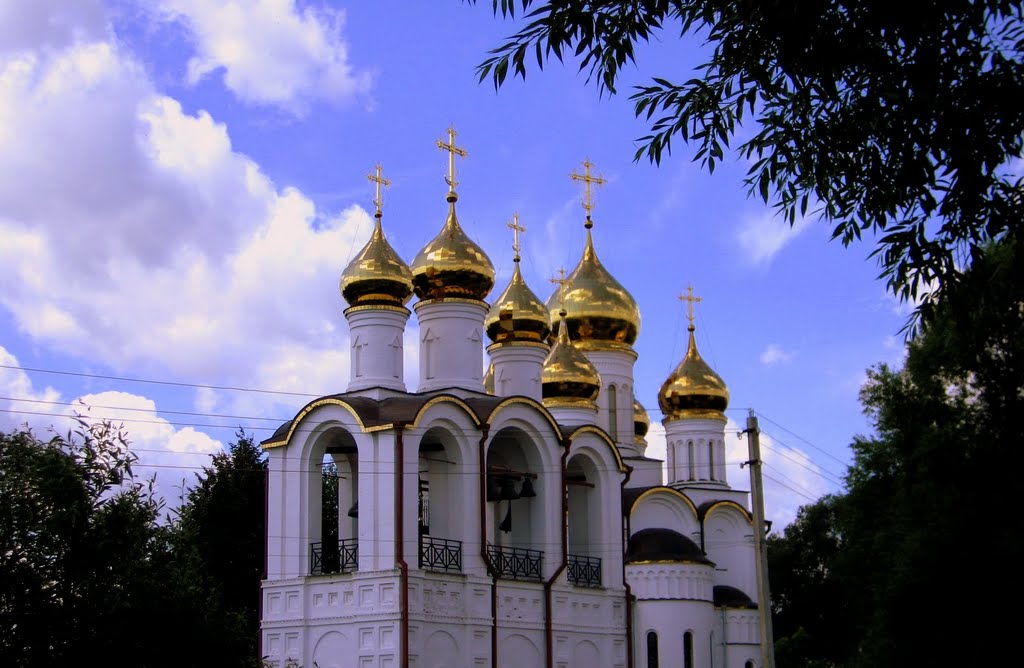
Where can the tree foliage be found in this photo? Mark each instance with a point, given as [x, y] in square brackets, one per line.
[924, 545]
[90, 575]
[899, 121]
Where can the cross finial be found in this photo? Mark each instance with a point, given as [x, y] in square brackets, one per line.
[453, 151]
[561, 280]
[378, 178]
[588, 180]
[690, 299]
[516, 229]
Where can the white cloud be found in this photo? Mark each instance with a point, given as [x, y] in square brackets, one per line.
[271, 51]
[774, 354]
[26, 24]
[137, 237]
[24, 404]
[791, 478]
[762, 237]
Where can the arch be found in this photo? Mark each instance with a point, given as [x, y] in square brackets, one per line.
[690, 463]
[705, 511]
[585, 655]
[652, 649]
[522, 649]
[603, 436]
[331, 441]
[727, 535]
[444, 485]
[304, 413]
[524, 498]
[441, 651]
[526, 401]
[660, 507]
[711, 459]
[443, 399]
[613, 411]
[332, 650]
[688, 649]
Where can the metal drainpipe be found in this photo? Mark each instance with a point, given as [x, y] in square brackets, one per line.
[483, 546]
[625, 583]
[400, 541]
[548, 625]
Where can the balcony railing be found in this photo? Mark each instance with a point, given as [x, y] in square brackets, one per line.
[340, 557]
[584, 571]
[440, 554]
[516, 562]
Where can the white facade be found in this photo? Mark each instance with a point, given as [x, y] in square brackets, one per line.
[488, 530]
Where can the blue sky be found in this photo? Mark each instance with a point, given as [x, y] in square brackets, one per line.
[183, 181]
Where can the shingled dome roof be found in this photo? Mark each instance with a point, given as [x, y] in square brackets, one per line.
[731, 597]
[663, 545]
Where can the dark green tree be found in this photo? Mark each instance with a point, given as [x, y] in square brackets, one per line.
[899, 121]
[909, 566]
[219, 552]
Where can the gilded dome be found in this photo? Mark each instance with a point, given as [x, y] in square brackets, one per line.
[693, 390]
[641, 423]
[377, 275]
[568, 378]
[518, 314]
[601, 313]
[451, 265]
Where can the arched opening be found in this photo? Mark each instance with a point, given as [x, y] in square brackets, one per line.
[515, 504]
[333, 504]
[711, 459]
[584, 522]
[748, 664]
[652, 649]
[689, 460]
[439, 502]
[688, 649]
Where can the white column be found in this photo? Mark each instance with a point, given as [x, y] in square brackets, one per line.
[377, 339]
[700, 431]
[451, 343]
[517, 368]
[616, 369]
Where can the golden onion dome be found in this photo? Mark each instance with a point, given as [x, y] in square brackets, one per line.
[693, 390]
[568, 377]
[601, 313]
[489, 379]
[451, 265]
[641, 423]
[518, 314]
[377, 275]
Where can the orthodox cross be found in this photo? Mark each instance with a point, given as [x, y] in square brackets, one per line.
[690, 299]
[588, 180]
[453, 151]
[516, 229]
[378, 179]
[561, 280]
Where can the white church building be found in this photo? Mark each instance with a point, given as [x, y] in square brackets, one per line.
[503, 512]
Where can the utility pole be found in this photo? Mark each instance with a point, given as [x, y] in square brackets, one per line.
[764, 608]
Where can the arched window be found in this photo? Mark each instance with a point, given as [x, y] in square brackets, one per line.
[711, 460]
[748, 664]
[689, 458]
[688, 649]
[652, 649]
[613, 413]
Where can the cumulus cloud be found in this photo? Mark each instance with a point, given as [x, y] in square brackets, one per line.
[270, 52]
[136, 236]
[774, 354]
[173, 456]
[791, 478]
[762, 237]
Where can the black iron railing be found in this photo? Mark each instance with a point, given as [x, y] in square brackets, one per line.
[516, 562]
[440, 554]
[584, 571]
[340, 557]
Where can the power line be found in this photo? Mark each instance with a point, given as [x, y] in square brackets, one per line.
[789, 431]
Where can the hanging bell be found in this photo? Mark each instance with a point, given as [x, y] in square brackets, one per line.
[527, 491]
[508, 489]
[506, 524]
[353, 512]
[493, 490]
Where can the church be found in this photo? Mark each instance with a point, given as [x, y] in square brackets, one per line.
[504, 512]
